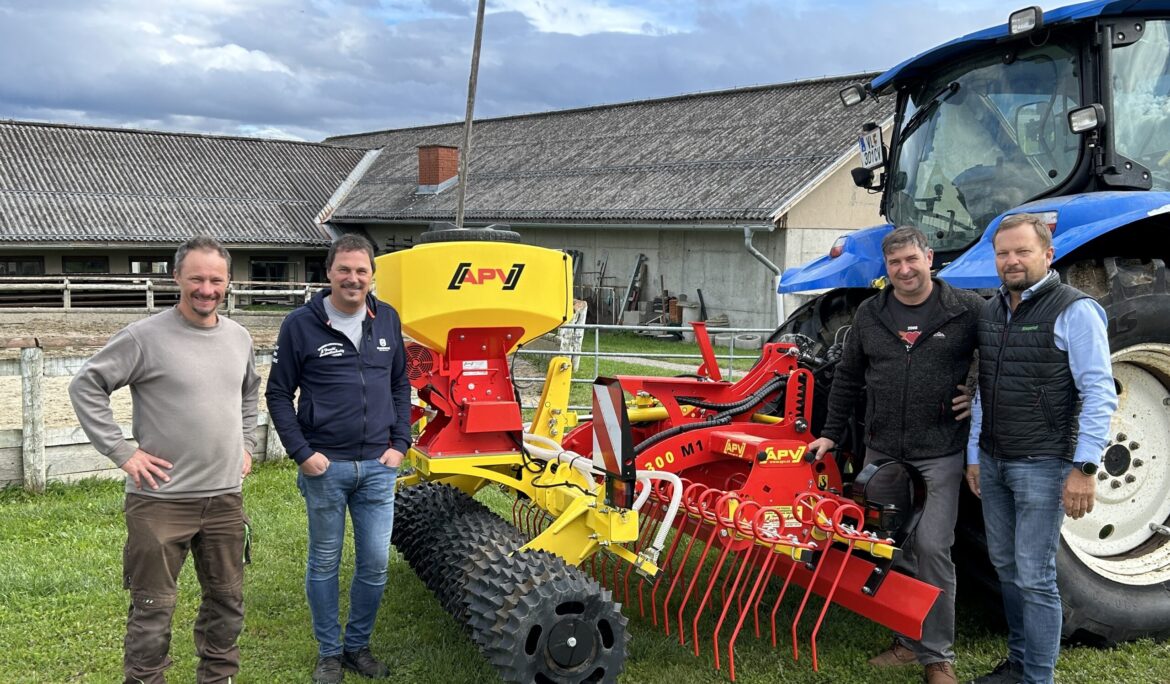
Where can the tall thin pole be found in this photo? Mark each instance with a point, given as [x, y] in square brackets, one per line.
[465, 150]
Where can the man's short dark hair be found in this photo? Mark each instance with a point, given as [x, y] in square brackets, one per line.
[901, 237]
[1038, 226]
[202, 243]
[349, 242]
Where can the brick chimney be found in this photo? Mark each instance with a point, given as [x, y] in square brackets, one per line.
[438, 168]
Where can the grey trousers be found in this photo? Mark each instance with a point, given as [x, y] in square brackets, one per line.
[927, 555]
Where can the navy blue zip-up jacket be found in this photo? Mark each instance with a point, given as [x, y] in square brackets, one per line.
[353, 406]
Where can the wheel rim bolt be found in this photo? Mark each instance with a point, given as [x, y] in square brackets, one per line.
[1121, 437]
[1137, 463]
[1102, 476]
[1115, 484]
[1130, 479]
[1133, 446]
[571, 641]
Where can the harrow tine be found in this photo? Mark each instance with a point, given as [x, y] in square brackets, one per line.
[649, 524]
[771, 542]
[721, 525]
[668, 563]
[819, 519]
[737, 527]
[708, 518]
[803, 502]
[853, 535]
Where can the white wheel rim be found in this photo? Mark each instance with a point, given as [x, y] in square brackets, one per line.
[1133, 486]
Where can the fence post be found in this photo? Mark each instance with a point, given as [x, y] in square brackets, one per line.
[231, 300]
[66, 296]
[32, 371]
[149, 295]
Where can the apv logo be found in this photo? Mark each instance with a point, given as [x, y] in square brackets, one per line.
[465, 275]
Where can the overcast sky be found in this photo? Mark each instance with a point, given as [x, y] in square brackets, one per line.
[307, 69]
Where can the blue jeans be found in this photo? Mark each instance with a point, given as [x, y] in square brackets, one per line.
[1023, 512]
[367, 489]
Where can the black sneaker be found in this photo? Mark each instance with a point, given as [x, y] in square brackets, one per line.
[328, 671]
[364, 663]
[1006, 672]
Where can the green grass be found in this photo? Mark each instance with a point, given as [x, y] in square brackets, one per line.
[62, 611]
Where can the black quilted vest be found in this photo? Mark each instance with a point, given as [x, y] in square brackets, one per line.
[1029, 397]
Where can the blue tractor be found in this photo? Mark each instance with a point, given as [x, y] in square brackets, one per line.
[1064, 114]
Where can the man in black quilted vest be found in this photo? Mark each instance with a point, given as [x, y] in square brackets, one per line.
[1040, 423]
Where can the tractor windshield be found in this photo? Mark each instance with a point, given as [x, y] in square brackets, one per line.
[1141, 101]
[983, 136]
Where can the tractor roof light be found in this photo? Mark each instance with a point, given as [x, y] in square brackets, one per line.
[1025, 21]
[838, 248]
[854, 94]
[1085, 119]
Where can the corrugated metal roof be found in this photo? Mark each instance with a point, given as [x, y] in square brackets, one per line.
[733, 155]
[74, 184]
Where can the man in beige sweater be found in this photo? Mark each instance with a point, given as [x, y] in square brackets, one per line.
[194, 387]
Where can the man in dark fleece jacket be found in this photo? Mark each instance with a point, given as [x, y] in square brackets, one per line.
[911, 348]
[344, 352]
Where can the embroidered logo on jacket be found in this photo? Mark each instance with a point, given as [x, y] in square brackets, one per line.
[330, 349]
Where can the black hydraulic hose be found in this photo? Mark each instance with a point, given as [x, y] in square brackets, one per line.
[725, 406]
[722, 418]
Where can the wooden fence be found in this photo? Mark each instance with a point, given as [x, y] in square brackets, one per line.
[71, 293]
[34, 456]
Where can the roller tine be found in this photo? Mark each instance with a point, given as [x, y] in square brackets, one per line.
[678, 574]
[645, 535]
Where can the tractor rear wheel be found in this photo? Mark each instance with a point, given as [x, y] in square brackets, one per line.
[1113, 565]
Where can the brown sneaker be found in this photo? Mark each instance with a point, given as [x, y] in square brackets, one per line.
[941, 673]
[895, 656]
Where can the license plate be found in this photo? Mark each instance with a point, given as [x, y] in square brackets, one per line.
[872, 153]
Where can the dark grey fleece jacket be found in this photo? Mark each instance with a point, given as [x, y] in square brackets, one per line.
[908, 393]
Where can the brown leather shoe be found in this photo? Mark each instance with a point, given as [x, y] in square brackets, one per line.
[941, 673]
[895, 656]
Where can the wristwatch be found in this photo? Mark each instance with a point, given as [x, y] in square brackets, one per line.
[1086, 467]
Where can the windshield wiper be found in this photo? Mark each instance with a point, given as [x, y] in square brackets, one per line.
[927, 109]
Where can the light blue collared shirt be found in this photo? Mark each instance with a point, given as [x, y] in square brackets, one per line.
[1081, 331]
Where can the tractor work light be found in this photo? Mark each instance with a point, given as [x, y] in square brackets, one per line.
[854, 94]
[1085, 119]
[1025, 20]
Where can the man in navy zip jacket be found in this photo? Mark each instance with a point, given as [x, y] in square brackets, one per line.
[344, 352]
[909, 353]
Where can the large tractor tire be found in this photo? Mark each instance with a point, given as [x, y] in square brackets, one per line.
[1113, 565]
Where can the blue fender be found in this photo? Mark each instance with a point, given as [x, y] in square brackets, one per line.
[858, 265]
[1079, 220]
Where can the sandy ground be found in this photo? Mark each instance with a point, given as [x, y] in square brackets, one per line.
[57, 409]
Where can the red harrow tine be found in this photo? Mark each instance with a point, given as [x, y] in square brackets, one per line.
[692, 506]
[722, 524]
[650, 521]
[667, 563]
[768, 539]
[739, 528]
[708, 514]
[663, 493]
[817, 512]
[853, 535]
[805, 501]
